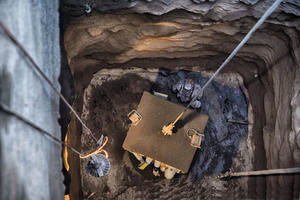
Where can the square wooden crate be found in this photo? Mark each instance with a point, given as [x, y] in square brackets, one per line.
[147, 139]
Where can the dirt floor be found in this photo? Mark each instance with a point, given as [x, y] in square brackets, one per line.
[112, 94]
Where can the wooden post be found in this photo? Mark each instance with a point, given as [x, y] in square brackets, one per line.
[261, 172]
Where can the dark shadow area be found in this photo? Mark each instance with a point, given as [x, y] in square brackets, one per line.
[221, 140]
[67, 90]
[184, 120]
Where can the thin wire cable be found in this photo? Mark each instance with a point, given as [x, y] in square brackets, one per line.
[14, 40]
[246, 38]
[9, 111]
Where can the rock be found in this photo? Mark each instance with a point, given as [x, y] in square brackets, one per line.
[94, 31]
[196, 104]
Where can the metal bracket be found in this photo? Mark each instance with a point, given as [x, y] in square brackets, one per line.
[195, 136]
[135, 117]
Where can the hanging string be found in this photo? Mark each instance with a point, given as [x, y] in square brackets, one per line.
[14, 40]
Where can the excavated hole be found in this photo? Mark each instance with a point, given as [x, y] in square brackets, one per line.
[131, 184]
[267, 64]
[112, 94]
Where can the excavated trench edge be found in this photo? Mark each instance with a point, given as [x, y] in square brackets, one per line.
[111, 72]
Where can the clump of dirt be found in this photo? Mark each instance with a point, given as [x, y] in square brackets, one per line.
[112, 95]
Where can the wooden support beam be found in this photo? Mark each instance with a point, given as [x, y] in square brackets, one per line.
[261, 172]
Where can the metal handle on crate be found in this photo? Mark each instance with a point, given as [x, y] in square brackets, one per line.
[135, 117]
[196, 137]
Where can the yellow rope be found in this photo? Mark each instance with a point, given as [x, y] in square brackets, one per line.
[98, 151]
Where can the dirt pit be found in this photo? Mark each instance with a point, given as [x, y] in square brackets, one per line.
[112, 94]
